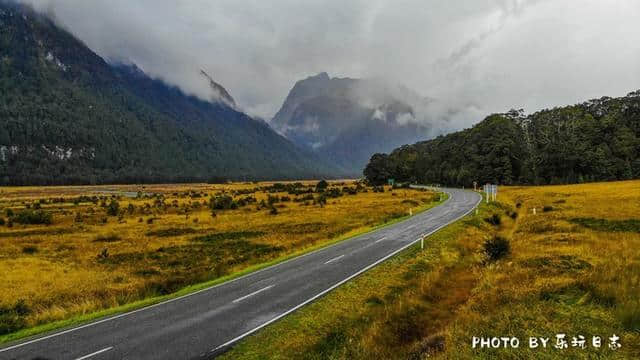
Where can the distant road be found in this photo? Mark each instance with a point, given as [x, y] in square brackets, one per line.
[202, 324]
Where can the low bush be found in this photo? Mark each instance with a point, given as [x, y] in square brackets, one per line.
[222, 202]
[494, 220]
[33, 217]
[496, 248]
[29, 250]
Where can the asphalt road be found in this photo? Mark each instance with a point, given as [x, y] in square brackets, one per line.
[203, 324]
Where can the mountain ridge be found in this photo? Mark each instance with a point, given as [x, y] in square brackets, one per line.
[67, 116]
[346, 120]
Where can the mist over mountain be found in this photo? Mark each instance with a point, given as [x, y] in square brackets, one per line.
[69, 116]
[346, 120]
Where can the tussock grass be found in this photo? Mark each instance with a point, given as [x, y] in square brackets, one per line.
[574, 269]
[95, 256]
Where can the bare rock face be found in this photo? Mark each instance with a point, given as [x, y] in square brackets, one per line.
[346, 120]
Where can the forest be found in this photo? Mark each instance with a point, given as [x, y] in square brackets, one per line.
[598, 140]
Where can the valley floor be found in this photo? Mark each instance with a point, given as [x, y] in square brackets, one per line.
[68, 252]
[573, 268]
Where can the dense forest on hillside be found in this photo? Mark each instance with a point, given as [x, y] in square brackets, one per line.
[598, 140]
[69, 117]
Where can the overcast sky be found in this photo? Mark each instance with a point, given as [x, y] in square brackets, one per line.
[492, 54]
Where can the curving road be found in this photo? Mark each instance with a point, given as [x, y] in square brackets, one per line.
[204, 323]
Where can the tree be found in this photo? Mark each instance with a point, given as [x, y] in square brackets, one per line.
[378, 170]
[322, 185]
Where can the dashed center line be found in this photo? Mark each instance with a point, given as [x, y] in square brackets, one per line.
[334, 259]
[95, 353]
[253, 293]
[382, 238]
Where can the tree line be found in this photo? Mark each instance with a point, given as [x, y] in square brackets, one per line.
[598, 140]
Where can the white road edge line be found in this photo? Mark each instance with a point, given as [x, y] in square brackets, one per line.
[253, 293]
[170, 300]
[341, 282]
[382, 238]
[95, 353]
[334, 259]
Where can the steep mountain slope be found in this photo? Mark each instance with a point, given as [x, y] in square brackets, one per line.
[346, 120]
[594, 141]
[67, 116]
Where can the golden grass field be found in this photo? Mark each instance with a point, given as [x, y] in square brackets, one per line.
[573, 268]
[163, 238]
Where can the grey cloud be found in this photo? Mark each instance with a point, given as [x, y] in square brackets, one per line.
[474, 56]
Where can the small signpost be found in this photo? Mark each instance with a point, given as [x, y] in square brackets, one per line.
[491, 192]
[391, 182]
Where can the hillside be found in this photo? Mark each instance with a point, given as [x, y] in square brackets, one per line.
[346, 120]
[69, 117]
[598, 140]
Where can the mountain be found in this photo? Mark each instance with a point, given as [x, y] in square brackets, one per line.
[69, 117]
[346, 120]
[598, 140]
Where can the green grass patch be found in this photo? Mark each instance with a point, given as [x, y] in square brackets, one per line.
[605, 225]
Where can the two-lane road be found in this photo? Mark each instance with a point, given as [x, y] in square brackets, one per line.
[203, 323]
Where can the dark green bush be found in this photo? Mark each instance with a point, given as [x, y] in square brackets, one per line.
[496, 248]
[33, 217]
[322, 185]
[222, 202]
[114, 208]
[494, 220]
[29, 249]
[547, 208]
[12, 318]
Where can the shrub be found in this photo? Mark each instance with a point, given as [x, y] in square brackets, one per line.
[222, 202]
[547, 208]
[114, 208]
[2, 222]
[12, 318]
[494, 220]
[321, 200]
[9, 213]
[29, 250]
[496, 248]
[104, 254]
[33, 217]
[322, 185]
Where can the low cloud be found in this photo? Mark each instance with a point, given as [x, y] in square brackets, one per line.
[474, 56]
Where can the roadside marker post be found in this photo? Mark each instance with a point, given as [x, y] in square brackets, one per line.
[422, 243]
[534, 211]
[410, 212]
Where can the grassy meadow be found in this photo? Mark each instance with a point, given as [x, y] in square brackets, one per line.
[67, 252]
[573, 267]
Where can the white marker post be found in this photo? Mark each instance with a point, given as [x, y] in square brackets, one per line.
[422, 243]
[534, 211]
[410, 212]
